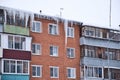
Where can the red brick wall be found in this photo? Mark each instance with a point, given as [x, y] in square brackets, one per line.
[46, 39]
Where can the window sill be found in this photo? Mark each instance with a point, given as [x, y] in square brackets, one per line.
[54, 34]
[54, 77]
[36, 54]
[71, 57]
[36, 31]
[70, 37]
[54, 56]
[37, 76]
[72, 77]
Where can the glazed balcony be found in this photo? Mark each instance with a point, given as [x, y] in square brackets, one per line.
[16, 29]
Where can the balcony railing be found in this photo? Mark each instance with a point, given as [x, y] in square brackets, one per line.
[16, 54]
[100, 42]
[100, 62]
[16, 29]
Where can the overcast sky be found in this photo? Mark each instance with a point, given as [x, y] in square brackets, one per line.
[95, 12]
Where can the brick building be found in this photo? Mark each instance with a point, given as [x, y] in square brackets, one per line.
[59, 51]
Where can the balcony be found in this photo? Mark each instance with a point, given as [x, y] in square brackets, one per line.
[16, 30]
[100, 62]
[100, 42]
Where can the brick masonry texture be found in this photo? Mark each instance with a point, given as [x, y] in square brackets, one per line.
[62, 61]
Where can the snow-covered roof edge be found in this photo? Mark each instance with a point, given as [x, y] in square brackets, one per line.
[42, 15]
[103, 27]
[7, 8]
[56, 18]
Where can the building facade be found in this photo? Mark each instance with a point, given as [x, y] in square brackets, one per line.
[100, 53]
[15, 45]
[55, 49]
[41, 47]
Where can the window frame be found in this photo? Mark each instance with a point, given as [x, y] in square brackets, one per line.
[57, 51]
[90, 31]
[56, 30]
[69, 55]
[23, 46]
[71, 74]
[0, 40]
[37, 66]
[16, 66]
[93, 71]
[70, 34]
[35, 22]
[36, 45]
[54, 67]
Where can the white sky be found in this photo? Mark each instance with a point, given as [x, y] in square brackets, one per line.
[95, 12]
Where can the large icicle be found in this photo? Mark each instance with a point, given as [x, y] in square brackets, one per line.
[56, 19]
[14, 13]
[32, 19]
[26, 19]
[65, 29]
[5, 17]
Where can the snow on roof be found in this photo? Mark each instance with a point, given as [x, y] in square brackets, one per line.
[100, 26]
[13, 9]
[38, 15]
[56, 18]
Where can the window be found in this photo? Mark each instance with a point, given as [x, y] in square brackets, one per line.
[0, 40]
[15, 66]
[112, 55]
[89, 31]
[98, 33]
[36, 71]
[53, 51]
[53, 29]
[70, 32]
[25, 67]
[93, 71]
[36, 26]
[54, 72]
[36, 49]
[71, 52]
[16, 42]
[19, 67]
[12, 66]
[71, 72]
[1, 18]
[98, 72]
[90, 51]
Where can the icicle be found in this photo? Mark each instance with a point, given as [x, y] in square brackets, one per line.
[26, 19]
[65, 29]
[14, 12]
[5, 17]
[21, 15]
[32, 19]
[71, 23]
[56, 19]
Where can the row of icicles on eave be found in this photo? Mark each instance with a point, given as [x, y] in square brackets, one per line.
[18, 18]
[25, 19]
